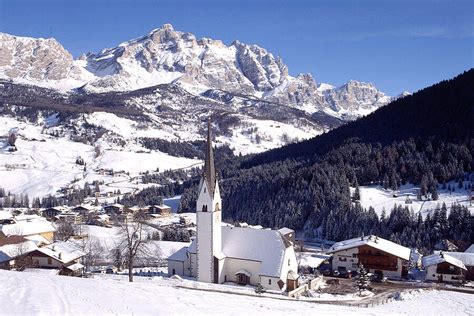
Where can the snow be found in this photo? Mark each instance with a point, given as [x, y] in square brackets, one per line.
[437, 258]
[26, 228]
[375, 242]
[44, 294]
[381, 199]
[11, 251]
[312, 260]
[464, 257]
[62, 251]
[271, 133]
[269, 250]
[44, 164]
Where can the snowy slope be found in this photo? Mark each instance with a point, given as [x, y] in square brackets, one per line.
[381, 199]
[24, 293]
[43, 164]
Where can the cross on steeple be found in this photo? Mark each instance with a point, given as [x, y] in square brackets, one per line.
[209, 168]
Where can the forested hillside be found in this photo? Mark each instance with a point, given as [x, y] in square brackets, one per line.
[425, 139]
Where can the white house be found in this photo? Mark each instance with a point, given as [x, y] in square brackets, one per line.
[442, 267]
[223, 253]
[378, 255]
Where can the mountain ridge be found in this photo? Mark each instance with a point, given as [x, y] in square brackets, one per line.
[166, 56]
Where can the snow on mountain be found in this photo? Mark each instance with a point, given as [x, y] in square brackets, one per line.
[166, 56]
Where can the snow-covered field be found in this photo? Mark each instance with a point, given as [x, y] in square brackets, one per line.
[380, 199]
[43, 164]
[24, 293]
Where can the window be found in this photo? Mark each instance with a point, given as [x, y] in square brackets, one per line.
[174, 271]
[288, 261]
[269, 281]
[204, 189]
[204, 208]
[342, 259]
[50, 261]
[354, 255]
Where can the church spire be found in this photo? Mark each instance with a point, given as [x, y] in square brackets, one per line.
[209, 168]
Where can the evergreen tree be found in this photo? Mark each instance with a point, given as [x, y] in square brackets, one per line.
[362, 281]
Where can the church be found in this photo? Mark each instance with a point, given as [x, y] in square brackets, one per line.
[224, 253]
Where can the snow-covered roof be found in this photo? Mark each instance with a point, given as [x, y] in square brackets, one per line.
[286, 230]
[11, 251]
[75, 266]
[470, 249]
[62, 251]
[437, 258]
[266, 246]
[38, 239]
[179, 255]
[27, 227]
[465, 257]
[375, 242]
[5, 215]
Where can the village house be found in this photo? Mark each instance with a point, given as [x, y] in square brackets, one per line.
[233, 254]
[100, 220]
[12, 249]
[378, 255]
[114, 209]
[51, 212]
[442, 267]
[69, 217]
[467, 258]
[61, 256]
[84, 210]
[32, 227]
[158, 210]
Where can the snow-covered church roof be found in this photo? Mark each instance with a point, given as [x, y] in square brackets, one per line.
[265, 246]
[375, 242]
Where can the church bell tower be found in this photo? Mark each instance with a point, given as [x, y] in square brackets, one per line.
[208, 214]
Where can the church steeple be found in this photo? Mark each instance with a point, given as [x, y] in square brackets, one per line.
[209, 168]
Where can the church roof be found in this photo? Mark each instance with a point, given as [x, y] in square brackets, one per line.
[261, 245]
[265, 246]
[209, 167]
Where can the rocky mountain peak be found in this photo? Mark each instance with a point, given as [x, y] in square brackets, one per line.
[166, 56]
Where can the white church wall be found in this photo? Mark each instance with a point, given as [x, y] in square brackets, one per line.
[204, 240]
[175, 267]
[271, 283]
[232, 265]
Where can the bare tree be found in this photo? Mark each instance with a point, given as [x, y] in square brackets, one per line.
[93, 249]
[132, 243]
[64, 231]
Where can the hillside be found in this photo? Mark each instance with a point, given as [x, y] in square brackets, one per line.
[414, 140]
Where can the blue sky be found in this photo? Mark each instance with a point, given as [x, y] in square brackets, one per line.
[397, 45]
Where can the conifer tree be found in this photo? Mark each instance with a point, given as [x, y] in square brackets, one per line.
[362, 281]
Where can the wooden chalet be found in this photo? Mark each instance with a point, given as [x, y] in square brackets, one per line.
[377, 255]
[443, 267]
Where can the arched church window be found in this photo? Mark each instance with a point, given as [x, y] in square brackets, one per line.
[218, 208]
[204, 208]
[204, 189]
